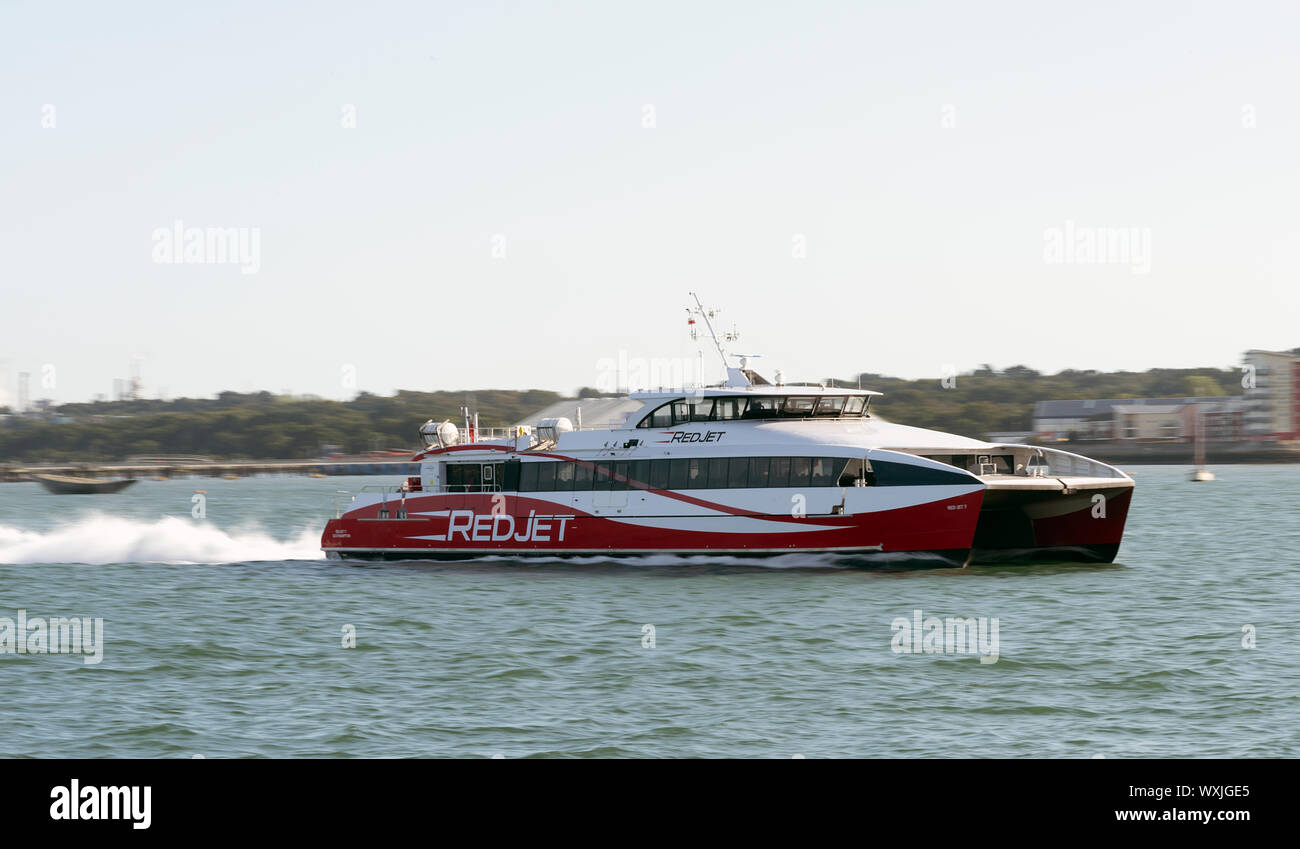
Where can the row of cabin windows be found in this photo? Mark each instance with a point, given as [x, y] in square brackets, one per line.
[690, 473]
[698, 473]
[762, 407]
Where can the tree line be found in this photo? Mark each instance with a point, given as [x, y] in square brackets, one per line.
[262, 425]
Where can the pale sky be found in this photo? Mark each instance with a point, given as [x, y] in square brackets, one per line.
[860, 186]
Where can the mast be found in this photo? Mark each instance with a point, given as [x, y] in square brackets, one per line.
[1199, 430]
[717, 343]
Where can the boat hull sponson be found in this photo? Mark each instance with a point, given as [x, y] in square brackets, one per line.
[1035, 527]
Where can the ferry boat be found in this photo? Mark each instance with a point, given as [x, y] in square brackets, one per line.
[746, 468]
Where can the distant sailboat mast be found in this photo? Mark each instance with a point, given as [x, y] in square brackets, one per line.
[1199, 472]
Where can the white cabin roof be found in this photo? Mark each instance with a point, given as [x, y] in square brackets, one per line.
[746, 391]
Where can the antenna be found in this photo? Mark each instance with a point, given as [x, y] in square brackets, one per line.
[729, 336]
[136, 386]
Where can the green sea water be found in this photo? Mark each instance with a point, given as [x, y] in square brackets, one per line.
[227, 636]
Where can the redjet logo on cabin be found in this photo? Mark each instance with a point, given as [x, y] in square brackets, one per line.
[707, 436]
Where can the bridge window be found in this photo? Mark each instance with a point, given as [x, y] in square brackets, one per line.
[763, 408]
[702, 410]
[830, 405]
[726, 409]
[730, 408]
[799, 406]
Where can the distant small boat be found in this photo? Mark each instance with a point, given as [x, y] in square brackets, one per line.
[70, 485]
[1201, 475]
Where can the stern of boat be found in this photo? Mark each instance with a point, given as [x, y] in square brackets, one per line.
[1054, 506]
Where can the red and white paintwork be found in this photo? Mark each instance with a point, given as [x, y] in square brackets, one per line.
[643, 520]
[1043, 504]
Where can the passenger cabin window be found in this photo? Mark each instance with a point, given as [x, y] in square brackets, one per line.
[702, 473]
[676, 472]
[659, 473]
[825, 471]
[478, 477]
[738, 473]
[857, 473]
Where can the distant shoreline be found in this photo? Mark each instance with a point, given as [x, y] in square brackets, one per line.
[1141, 455]
[217, 469]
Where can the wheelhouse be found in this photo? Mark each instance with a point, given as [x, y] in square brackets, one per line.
[758, 407]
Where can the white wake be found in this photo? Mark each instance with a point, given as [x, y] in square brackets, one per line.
[99, 539]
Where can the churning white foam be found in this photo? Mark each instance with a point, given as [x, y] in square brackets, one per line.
[101, 539]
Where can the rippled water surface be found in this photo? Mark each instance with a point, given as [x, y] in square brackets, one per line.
[223, 637]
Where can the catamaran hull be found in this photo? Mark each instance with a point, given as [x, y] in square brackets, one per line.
[995, 526]
[1085, 526]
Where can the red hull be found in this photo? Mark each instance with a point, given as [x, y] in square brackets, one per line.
[523, 525]
[1084, 527]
